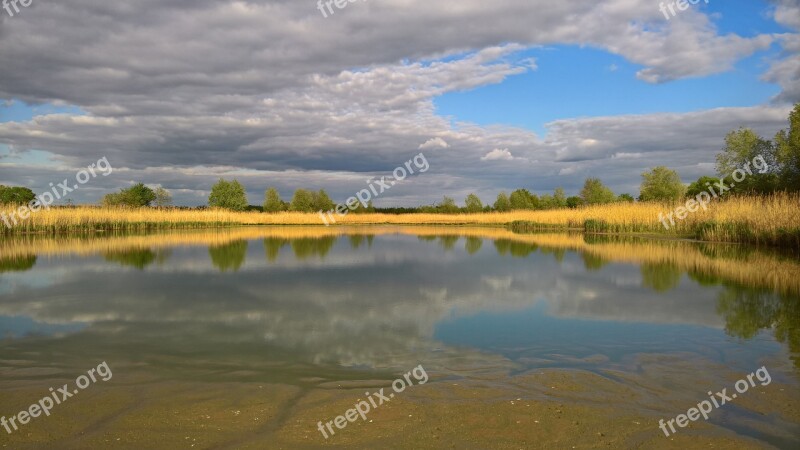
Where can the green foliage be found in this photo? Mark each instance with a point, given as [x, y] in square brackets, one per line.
[322, 202]
[741, 148]
[361, 209]
[447, 206]
[302, 201]
[522, 199]
[787, 152]
[228, 195]
[502, 204]
[661, 184]
[701, 185]
[574, 202]
[272, 201]
[594, 192]
[625, 198]
[309, 202]
[559, 198]
[473, 204]
[595, 226]
[524, 226]
[15, 195]
[136, 196]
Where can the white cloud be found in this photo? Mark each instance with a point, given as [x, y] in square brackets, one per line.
[498, 155]
[434, 143]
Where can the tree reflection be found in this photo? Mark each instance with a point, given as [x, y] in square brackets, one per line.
[230, 256]
[748, 311]
[514, 248]
[17, 263]
[448, 242]
[357, 240]
[660, 277]
[307, 247]
[273, 247]
[473, 245]
[136, 257]
[592, 262]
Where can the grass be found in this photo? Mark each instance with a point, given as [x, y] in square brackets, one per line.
[773, 220]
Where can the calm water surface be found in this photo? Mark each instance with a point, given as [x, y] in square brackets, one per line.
[302, 307]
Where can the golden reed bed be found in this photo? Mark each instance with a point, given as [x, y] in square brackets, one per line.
[755, 268]
[738, 219]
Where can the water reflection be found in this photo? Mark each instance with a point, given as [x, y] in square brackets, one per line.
[749, 311]
[388, 298]
[17, 263]
[139, 258]
[229, 257]
[660, 277]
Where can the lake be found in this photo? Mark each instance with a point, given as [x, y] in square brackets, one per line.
[262, 337]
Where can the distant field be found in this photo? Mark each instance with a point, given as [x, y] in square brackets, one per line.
[773, 220]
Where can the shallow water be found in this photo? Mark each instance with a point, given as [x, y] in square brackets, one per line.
[304, 309]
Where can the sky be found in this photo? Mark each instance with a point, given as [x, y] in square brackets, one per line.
[497, 95]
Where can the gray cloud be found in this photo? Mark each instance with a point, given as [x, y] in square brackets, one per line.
[178, 93]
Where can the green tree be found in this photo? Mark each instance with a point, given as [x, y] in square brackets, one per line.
[502, 204]
[559, 198]
[361, 209]
[473, 204]
[302, 201]
[522, 199]
[272, 201]
[322, 202]
[136, 196]
[547, 202]
[661, 184]
[701, 185]
[163, 198]
[625, 198]
[742, 147]
[574, 202]
[594, 192]
[787, 149]
[16, 195]
[447, 206]
[228, 195]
